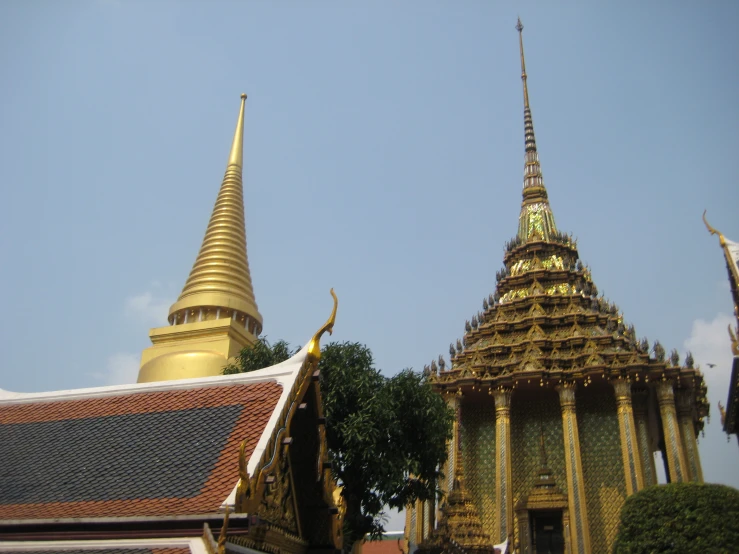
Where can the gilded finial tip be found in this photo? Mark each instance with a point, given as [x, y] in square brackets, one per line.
[519, 25]
[243, 96]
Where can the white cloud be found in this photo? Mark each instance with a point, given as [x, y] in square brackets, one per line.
[709, 342]
[147, 308]
[121, 368]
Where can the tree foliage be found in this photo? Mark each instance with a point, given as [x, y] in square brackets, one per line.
[258, 356]
[680, 517]
[386, 436]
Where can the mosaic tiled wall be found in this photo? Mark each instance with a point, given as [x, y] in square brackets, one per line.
[478, 457]
[531, 412]
[602, 464]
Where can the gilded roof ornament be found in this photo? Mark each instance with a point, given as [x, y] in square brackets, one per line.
[713, 231]
[314, 347]
[220, 276]
[536, 222]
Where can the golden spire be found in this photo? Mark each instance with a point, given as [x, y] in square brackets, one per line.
[220, 279]
[536, 221]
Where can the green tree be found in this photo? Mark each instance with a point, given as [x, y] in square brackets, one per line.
[258, 356]
[680, 517]
[386, 436]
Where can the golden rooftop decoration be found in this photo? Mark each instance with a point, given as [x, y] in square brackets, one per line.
[536, 221]
[730, 416]
[220, 277]
[216, 314]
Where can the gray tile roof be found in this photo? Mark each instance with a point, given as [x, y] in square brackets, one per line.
[133, 456]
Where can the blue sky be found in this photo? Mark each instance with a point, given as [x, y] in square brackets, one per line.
[383, 157]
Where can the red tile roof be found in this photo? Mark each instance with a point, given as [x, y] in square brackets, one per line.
[383, 546]
[257, 402]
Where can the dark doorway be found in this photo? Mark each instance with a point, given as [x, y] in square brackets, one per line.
[546, 531]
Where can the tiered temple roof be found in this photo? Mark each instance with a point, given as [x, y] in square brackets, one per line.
[546, 322]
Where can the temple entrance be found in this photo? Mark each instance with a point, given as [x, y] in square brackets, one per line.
[547, 532]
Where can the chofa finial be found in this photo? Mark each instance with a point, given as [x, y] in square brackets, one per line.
[712, 230]
[314, 350]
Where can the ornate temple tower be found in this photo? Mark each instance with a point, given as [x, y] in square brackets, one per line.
[216, 314]
[548, 370]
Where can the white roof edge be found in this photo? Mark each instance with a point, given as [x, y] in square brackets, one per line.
[282, 373]
[295, 363]
[195, 544]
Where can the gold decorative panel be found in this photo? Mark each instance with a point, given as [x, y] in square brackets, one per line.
[478, 457]
[602, 464]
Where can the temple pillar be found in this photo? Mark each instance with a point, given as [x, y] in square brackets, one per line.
[676, 461]
[579, 530]
[629, 442]
[453, 403]
[639, 398]
[687, 430]
[452, 400]
[503, 478]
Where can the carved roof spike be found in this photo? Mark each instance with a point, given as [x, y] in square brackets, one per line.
[644, 345]
[659, 351]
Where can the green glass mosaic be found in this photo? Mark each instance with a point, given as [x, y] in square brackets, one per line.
[602, 464]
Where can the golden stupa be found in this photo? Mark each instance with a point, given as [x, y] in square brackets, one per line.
[216, 314]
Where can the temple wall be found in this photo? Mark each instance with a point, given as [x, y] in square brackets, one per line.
[532, 411]
[602, 464]
[478, 457]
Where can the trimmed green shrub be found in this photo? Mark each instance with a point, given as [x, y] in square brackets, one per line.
[680, 517]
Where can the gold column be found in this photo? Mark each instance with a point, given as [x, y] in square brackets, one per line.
[451, 402]
[503, 478]
[419, 522]
[429, 517]
[629, 443]
[690, 445]
[579, 531]
[676, 461]
[640, 397]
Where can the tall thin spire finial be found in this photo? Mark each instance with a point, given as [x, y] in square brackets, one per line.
[220, 278]
[536, 221]
[236, 156]
[519, 28]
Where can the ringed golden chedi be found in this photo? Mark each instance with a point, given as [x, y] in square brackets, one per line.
[216, 314]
